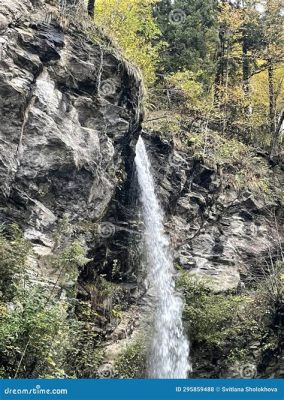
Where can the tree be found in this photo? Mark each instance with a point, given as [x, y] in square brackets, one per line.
[263, 34]
[251, 39]
[273, 54]
[91, 7]
[227, 96]
[190, 31]
[250, 42]
[131, 24]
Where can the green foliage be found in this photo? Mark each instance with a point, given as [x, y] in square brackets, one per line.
[191, 43]
[186, 86]
[228, 323]
[33, 333]
[131, 363]
[244, 170]
[210, 316]
[108, 300]
[272, 286]
[84, 355]
[68, 260]
[63, 229]
[131, 24]
[14, 250]
[37, 334]
[219, 150]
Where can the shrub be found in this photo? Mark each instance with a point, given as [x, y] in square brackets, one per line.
[187, 89]
[32, 335]
[228, 324]
[244, 170]
[14, 250]
[70, 258]
[84, 355]
[36, 332]
[210, 316]
[131, 363]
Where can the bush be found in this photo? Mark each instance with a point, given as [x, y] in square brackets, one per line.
[14, 250]
[131, 363]
[186, 87]
[244, 170]
[36, 332]
[32, 335]
[227, 324]
[210, 316]
[70, 258]
[85, 355]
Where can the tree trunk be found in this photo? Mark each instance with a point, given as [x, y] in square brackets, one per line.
[246, 65]
[271, 98]
[220, 70]
[276, 136]
[272, 111]
[91, 7]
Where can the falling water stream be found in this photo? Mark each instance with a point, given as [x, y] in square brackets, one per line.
[169, 355]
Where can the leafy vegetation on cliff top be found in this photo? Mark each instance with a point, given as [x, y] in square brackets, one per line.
[215, 61]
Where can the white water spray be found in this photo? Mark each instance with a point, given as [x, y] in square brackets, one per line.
[169, 348]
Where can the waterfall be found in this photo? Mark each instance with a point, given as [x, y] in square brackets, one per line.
[169, 353]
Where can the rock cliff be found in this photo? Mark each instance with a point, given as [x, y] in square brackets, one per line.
[225, 232]
[70, 109]
[71, 112]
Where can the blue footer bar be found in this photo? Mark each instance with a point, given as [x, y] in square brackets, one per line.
[144, 389]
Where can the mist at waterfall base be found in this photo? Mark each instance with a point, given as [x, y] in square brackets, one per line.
[169, 352]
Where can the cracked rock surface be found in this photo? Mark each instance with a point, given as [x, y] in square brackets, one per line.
[217, 232]
[69, 109]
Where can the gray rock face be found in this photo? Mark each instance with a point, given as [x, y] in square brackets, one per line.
[225, 237]
[216, 233]
[69, 109]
